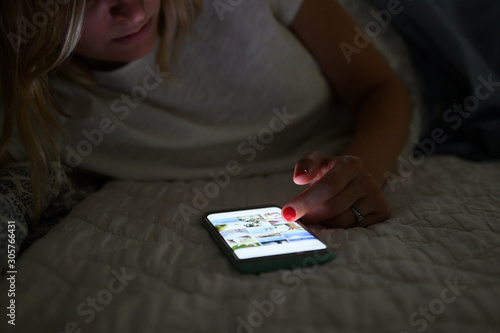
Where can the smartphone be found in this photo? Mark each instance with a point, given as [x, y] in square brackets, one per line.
[259, 239]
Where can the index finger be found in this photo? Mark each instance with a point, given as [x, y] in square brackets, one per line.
[332, 183]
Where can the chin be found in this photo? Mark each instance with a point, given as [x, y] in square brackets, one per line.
[136, 52]
[116, 56]
[134, 56]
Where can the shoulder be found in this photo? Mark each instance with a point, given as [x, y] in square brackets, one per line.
[284, 10]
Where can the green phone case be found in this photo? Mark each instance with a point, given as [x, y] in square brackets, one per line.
[266, 263]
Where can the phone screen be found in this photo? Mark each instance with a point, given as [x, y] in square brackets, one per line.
[262, 232]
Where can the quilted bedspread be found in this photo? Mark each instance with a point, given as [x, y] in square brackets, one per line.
[131, 258]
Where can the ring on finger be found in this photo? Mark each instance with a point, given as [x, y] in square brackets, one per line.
[358, 213]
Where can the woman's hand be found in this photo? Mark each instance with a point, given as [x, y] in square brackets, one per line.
[338, 187]
[365, 84]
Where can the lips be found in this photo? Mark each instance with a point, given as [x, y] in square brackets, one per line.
[136, 36]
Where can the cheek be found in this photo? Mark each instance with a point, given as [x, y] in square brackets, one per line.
[153, 4]
[153, 7]
[93, 36]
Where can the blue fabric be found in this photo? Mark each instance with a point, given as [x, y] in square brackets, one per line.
[455, 47]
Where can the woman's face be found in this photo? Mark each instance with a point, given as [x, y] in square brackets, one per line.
[116, 32]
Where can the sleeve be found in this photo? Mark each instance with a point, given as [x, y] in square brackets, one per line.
[17, 228]
[285, 10]
[16, 212]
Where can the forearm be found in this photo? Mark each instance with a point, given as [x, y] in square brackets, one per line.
[364, 82]
[381, 128]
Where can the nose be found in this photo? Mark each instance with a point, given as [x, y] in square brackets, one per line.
[130, 10]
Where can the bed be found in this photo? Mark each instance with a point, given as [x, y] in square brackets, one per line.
[127, 259]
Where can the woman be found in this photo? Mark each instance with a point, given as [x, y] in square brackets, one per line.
[233, 67]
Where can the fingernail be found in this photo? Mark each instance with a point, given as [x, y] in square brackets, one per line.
[301, 172]
[289, 214]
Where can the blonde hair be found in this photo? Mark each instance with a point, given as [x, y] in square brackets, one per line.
[34, 47]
